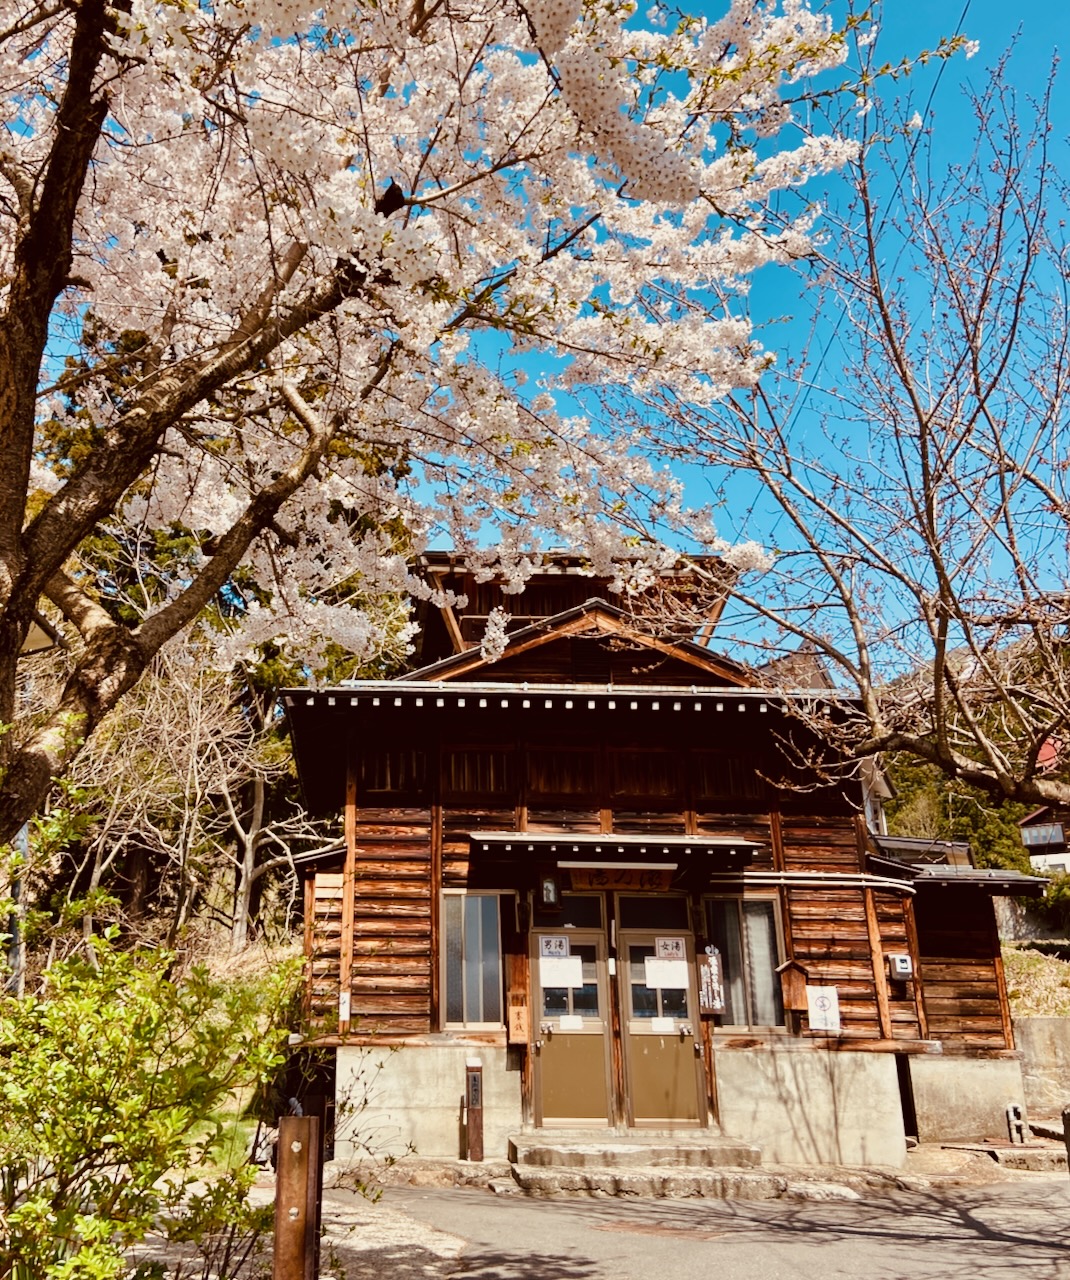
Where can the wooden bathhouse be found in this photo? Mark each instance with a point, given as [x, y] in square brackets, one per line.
[596, 872]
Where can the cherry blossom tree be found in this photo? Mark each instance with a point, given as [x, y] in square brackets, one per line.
[911, 475]
[272, 273]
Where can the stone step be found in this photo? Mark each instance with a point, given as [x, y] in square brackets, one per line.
[704, 1151]
[649, 1182]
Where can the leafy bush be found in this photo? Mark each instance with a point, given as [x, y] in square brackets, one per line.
[109, 1081]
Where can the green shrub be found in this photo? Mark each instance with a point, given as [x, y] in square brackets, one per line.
[109, 1081]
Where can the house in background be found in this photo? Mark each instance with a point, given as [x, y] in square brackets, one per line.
[1044, 836]
[610, 867]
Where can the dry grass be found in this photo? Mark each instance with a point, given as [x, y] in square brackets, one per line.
[1038, 985]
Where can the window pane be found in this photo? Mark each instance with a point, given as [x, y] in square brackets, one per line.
[473, 958]
[585, 998]
[583, 911]
[452, 909]
[492, 986]
[654, 913]
[472, 951]
[644, 998]
[767, 1008]
[724, 934]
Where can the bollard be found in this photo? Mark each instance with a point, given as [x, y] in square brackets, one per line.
[1016, 1129]
[473, 1097]
[297, 1199]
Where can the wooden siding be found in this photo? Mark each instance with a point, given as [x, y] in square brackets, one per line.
[323, 947]
[831, 940]
[960, 968]
[392, 945]
[819, 843]
[405, 852]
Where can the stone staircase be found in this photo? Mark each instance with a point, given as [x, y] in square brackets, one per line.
[673, 1165]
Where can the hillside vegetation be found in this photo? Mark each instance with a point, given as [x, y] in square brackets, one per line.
[1038, 985]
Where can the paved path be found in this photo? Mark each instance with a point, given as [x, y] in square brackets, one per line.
[1015, 1230]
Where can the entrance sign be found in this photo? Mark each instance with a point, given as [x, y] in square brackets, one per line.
[561, 971]
[555, 945]
[659, 878]
[670, 949]
[711, 982]
[823, 1008]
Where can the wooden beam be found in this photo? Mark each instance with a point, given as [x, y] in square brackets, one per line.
[884, 1013]
[1001, 986]
[436, 914]
[912, 946]
[345, 975]
[604, 624]
[453, 627]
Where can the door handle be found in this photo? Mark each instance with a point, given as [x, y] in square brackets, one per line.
[686, 1030]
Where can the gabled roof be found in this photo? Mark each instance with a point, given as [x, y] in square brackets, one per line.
[592, 619]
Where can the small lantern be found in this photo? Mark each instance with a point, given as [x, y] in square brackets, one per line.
[549, 893]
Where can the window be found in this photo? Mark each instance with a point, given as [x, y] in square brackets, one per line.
[472, 927]
[744, 931]
[1050, 833]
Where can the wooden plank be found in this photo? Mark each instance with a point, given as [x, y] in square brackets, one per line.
[389, 985]
[957, 970]
[381, 964]
[378, 909]
[381, 929]
[884, 1016]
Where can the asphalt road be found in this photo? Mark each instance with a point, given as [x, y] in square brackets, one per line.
[1007, 1231]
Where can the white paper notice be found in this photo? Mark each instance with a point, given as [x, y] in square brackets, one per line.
[667, 974]
[561, 971]
[823, 1008]
[570, 1022]
[663, 1026]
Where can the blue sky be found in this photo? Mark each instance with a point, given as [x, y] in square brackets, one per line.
[939, 93]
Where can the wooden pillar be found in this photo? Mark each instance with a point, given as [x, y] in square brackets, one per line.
[345, 976]
[776, 840]
[298, 1189]
[436, 942]
[915, 951]
[876, 950]
[1001, 979]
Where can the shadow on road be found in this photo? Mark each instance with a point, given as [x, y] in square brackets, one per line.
[949, 1234]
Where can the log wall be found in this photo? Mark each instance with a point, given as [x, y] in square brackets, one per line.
[965, 997]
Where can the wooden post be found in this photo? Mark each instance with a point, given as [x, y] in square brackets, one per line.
[297, 1199]
[876, 950]
[473, 1098]
[345, 974]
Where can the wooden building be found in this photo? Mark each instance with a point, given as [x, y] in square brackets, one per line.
[598, 867]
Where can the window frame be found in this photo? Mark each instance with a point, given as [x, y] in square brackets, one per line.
[740, 898]
[445, 1023]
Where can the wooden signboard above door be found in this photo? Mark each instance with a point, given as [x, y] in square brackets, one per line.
[621, 877]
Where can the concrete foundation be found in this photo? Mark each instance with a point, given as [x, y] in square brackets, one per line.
[810, 1106]
[396, 1100]
[1044, 1044]
[964, 1099]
